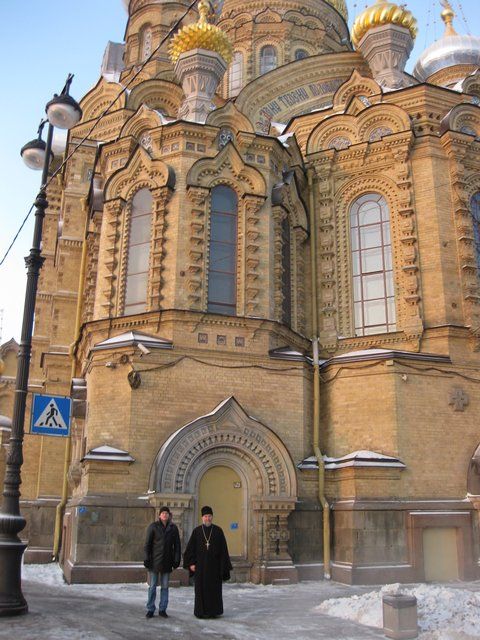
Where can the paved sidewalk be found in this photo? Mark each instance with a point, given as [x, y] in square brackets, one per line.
[104, 612]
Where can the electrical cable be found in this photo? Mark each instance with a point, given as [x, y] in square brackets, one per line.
[102, 115]
[16, 235]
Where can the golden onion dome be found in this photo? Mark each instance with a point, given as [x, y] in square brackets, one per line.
[381, 13]
[201, 35]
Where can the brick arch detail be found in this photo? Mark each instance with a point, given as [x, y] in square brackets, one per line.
[227, 431]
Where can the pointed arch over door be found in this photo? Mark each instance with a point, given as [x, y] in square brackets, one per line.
[229, 428]
[229, 438]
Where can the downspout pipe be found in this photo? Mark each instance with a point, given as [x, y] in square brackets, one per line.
[316, 381]
[57, 536]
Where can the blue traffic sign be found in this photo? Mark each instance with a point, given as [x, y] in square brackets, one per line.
[50, 415]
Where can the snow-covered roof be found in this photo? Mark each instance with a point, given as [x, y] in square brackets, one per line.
[385, 354]
[287, 353]
[133, 339]
[360, 458]
[111, 454]
[363, 458]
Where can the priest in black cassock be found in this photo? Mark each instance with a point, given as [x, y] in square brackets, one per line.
[206, 557]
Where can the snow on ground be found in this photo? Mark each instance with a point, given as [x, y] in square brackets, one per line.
[444, 613]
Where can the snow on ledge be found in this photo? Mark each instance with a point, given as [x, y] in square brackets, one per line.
[363, 458]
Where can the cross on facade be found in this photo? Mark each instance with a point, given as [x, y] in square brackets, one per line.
[459, 399]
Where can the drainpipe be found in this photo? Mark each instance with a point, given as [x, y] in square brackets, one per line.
[316, 382]
[57, 536]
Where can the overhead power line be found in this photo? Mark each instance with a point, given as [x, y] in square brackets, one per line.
[100, 117]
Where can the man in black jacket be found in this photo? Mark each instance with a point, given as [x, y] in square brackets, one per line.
[161, 555]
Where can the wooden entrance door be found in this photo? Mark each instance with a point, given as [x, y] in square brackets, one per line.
[222, 489]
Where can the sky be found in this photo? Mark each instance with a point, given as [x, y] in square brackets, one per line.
[40, 43]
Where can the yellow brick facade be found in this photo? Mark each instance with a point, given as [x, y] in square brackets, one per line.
[165, 394]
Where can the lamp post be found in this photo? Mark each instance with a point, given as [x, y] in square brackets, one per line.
[62, 112]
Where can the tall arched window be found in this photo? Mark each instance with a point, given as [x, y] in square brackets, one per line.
[286, 273]
[268, 59]
[138, 253]
[146, 42]
[373, 287]
[475, 207]
[222, 290]
[235, 75]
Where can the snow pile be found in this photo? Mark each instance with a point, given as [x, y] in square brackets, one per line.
[444, 613]
[50, 574]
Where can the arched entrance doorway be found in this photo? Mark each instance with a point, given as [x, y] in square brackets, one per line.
[205, 460]
[222, 488]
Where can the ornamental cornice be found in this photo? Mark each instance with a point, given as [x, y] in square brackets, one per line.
[70, 242]
[376, 341]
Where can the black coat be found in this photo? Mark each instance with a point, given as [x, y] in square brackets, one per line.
[162, 548]
[212, 565]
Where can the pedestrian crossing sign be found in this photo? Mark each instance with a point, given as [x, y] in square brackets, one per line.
[50, 415]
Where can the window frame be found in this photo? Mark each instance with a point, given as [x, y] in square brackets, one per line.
[219, 305]
[138, 305]
[304, 53]
[263, 67]
[371, 242]
[235, 74]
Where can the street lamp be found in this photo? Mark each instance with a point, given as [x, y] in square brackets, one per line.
[62, 112]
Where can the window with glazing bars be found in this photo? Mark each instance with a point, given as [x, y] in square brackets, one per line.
[268, 59]
[372, 269]
[235, 75]
[138, 253]
[222, 271]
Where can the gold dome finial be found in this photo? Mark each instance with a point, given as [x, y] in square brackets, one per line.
[448, 14]
[381, 13]
[201, 35]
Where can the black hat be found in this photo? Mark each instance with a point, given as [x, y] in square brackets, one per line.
[164, 509]
[207, 510]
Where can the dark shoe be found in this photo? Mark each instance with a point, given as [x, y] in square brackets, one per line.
[149, 614]
[163, 614]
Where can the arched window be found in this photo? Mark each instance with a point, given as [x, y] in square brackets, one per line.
[286, 273]
[222, 290]
[475, 206]
[146, 41]
[268, 59]
[373, 288]
[138, 253]
[235, 75]
[300, 54]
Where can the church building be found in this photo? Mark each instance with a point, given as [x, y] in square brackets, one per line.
[261, 290]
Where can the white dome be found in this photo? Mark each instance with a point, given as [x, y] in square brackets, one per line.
[449, 51]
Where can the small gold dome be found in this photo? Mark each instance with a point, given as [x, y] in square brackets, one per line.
[201, 35]
[2, 367]
[383, 12]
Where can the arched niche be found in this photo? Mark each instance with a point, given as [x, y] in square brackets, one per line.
[230, 436]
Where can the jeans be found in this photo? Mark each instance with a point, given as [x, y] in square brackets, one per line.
[154, 579]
